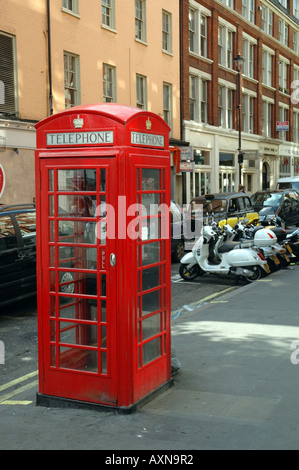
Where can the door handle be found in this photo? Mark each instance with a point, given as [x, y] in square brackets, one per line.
[112, 259]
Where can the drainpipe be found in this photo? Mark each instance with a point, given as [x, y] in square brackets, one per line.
[49, 59]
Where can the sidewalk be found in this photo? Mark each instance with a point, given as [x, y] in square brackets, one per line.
[237, 387]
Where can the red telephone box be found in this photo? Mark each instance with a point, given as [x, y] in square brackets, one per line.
[103, 254]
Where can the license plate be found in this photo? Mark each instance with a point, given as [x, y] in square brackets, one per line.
[276, 260]
[267, 269]
[289, 248]
[286, 258]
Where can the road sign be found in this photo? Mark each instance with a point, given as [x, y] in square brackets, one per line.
[2, 180]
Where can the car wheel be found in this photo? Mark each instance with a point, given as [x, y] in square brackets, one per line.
[178, 251]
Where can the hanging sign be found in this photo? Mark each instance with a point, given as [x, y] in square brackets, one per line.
[2, 180]
[282, 125]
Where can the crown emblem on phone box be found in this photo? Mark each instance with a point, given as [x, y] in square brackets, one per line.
[78, 122]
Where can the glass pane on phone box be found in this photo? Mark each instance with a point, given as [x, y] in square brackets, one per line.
[150, 302]
[78, 359]
[78, 309]
[71, 205]
[151, 326]
[73, 333]
[150, 179]
[150, 202]
[77, 180]
[150, 278]
[150, 253]
[151, 350]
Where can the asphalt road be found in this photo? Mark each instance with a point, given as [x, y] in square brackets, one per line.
[18, 322]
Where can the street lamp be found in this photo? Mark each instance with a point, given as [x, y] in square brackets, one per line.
[239, 61]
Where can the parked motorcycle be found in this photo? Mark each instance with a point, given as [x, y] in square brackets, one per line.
[275, 253]
[229, 258]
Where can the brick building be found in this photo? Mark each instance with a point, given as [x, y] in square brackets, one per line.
[266, 34]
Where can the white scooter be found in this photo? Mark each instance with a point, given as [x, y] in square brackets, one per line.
[270, 247]
[245, 262]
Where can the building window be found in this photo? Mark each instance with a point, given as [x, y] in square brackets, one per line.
[193, 97]
[296, 9]
[198, 98]
[201, 157]
[109, 84]
[166, 31]
[167, 103]
[200, 182]
[283, 117]
[247, 113]
[204, 101]
[267, 20]
[71, 5]
[225, 46]
[284, 166]
[203, 36]
[283, 77]
[248, 54]
[108, 13]
[248, 10]
[225, 107]
[229, 3]
[71, 80]
[192, 31]
[267, 68]
[283, 3]
[267, 118]
[7, 75]
[141, 92]
[296, 127]
[283, 32]
[227, 182]
[198, 32]
[140, 20]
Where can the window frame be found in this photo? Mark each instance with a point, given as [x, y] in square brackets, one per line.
[110, 82]
[109, 14]
[167, 32]
[76, 89]
[140, 21]
[71, 6]
[141, 101]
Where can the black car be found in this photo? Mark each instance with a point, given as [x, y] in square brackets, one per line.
[281, 203]
[17, 252]
[223, 208]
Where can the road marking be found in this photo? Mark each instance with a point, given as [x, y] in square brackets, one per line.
[193, 305]
[19, 380]
[6, 398]
[15, 402]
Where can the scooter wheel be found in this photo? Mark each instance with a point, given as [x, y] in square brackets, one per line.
[256, 274]
[188, 274]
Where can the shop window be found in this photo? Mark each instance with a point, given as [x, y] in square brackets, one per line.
[201, 157]
[226, 159]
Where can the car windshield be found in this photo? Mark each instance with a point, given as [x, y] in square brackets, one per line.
[288, 185]
[210, 205]
[267, 199]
